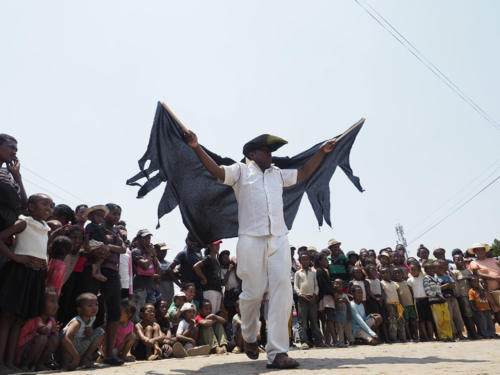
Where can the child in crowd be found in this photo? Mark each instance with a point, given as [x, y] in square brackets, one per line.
[343, 316]
[406, 299]
[95, 236]
[384, 260]
[482, 309]
[439, 307]
[423, 253]
[363, 324]
[38, 339]
[174, 311]
[151, 343]
[338, 262]
[79, 340]
[56, 270]
[374, 302]
[211, 329]
[125, 336]
[161, 308]
[353, 258]
[326, 298]
[209, 271]
[416, 283]
[359, 280]
[145, 268]
[189, 290]
[448, 290]
[306, 287]
[22, 279]
[398, 259]
[395, 321]
[187, 334]
[462, 276]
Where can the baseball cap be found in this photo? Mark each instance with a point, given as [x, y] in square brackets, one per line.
[144, 233]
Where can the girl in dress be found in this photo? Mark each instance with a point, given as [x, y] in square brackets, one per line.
[22, 280]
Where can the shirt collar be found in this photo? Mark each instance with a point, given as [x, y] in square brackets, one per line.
[254, 166]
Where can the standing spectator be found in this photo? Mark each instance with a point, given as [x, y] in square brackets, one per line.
[423, 253]
[306, 286]
[209, 271]
[448, 290]
[482, 309]
[22, 280]
[231, 282]
[144, 259]
[166, 284]
[462, 277]
[80, 217]
[13, 197]
[111, 288]
[439, 307]
[409, 311]
[338, 262]
[395, 321]
[326, 298]
[343, 316]
[416, 283]
[186, 259]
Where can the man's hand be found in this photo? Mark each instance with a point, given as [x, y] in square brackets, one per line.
[14, 168]
[204, 281]
[328, 146]
[191, 139]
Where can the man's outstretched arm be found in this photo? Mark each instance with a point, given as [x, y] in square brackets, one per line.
[216, 170]
[310, 166]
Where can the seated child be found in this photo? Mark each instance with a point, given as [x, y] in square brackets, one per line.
[79, 340]
[211, 329]
[439, 307]
[343, 327]
[38, 339]
[95, 236]
[125, 336]
[237, 340]
[56, 270]
[462, 276]
[448, 290]
[363, 324]
[482, 309]
[162, 318]
[395, 322]
[416, 283]
[406, 298]
[187, 334]
[174, 311]
[151, 343]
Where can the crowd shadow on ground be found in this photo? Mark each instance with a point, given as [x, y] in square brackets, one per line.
[259, 367]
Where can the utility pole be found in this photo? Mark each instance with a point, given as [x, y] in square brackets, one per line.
[400, 235]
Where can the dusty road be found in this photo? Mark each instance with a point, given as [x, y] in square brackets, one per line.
[477, 357]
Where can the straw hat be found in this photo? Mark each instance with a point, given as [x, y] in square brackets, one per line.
[478, 245]
[96, 208]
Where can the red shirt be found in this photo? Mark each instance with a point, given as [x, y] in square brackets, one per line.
[30, 331]
[198, 318]
[55, 274]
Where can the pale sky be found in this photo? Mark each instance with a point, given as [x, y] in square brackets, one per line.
[80, 82]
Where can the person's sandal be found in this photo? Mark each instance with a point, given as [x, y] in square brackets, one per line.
[283, 361]
[252, 350]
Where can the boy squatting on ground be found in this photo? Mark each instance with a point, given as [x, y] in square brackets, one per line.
[263, 251]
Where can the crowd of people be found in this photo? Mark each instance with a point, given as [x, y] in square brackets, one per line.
[76, 289]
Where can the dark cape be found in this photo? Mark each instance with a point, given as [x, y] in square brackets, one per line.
[209, 209]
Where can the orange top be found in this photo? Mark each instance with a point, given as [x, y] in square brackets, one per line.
[481, 303]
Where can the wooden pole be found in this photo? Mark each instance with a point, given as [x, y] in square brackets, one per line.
[184, 129]
[359, 123]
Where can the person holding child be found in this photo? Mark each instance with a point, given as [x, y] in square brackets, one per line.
[22, 280]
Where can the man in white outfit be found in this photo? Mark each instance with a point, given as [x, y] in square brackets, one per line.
[263, 250]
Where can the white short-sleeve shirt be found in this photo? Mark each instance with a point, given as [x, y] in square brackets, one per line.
[260, 197]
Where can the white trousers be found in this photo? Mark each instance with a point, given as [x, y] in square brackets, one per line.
[215, 299]
[264, 265]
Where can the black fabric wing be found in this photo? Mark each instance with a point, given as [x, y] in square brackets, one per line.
[209, 209]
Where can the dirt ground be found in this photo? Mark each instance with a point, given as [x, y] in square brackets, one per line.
[472, 357]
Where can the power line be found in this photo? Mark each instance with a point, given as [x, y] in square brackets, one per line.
[382, 21]
[79, 199]
[455, 210]
[52, 194]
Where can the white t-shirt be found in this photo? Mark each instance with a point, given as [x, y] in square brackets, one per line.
[417, 285]
[260, 197]
[182, 327]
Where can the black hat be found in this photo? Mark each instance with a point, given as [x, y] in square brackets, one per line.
[264, 140]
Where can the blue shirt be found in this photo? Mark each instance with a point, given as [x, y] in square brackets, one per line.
[359, 318]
